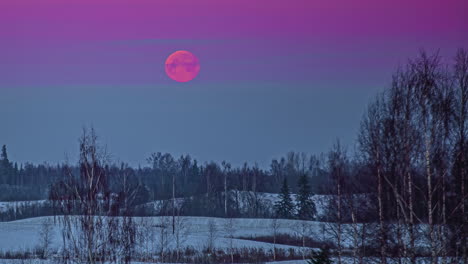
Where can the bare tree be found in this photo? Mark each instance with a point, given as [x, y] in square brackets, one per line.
[370, 143]
[162, 245]
[89, 234]
[125, 224]
[426, 71]
[87, 195]
[230, 229]
[244, 172]
[146, 237]
[274, 226]
[255, 198]
[358, 207]
[460, 148]
[181, 233]
[337, 165]
[226, 169]
[212, 235]
[46, 236]
[173, 202]
[303, 230]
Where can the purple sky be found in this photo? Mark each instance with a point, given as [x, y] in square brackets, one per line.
[275, 75]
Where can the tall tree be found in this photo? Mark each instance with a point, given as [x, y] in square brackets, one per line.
[4, 156]
[370, 144]
[85, 202]
[305, 206]
[284, 207]
[226, 169]
[460, 151]
[5, 166]
[337, 165]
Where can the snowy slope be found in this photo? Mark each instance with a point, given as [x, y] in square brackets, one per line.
[267, 200]
[24, 234]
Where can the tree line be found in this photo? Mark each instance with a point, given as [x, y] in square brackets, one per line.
[210, 182]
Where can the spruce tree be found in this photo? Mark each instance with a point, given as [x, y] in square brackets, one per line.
[5, 166]
[4, 157]
[306, 207]
[284, 207]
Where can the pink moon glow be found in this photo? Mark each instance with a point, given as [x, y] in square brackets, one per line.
[182, 66]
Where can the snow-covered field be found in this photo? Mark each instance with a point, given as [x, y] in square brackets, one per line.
[24, 234]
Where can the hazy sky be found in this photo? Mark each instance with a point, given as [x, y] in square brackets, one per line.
[275, 75]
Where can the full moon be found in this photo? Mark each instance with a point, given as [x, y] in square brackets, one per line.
[182, 66]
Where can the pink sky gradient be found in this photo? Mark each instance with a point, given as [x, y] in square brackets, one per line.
[70, 42]
[87, 20]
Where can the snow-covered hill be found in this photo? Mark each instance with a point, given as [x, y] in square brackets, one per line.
[245, 199]
[24, 234]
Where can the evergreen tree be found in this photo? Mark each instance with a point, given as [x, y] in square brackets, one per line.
[4, 157]
[5, 166]
[306, 207]
[321, 257]
[284, 207]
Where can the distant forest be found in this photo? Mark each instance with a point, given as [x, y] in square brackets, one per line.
[35, 182]
[28, 181]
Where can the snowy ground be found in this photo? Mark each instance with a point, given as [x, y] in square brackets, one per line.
[24, 234]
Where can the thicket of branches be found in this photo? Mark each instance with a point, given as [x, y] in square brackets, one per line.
[413, 142]
[86, 206]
